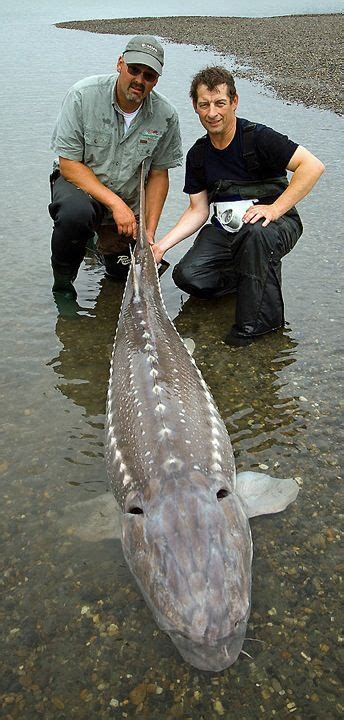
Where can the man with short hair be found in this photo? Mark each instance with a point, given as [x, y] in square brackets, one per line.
[106, 128]
[240, 167]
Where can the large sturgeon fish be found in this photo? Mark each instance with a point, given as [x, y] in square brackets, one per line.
[185, 529]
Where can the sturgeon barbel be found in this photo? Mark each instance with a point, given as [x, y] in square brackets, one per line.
[185, 529]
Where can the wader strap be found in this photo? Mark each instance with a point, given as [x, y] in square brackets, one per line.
[249, 151]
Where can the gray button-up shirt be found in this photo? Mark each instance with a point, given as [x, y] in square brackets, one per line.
[90, 129]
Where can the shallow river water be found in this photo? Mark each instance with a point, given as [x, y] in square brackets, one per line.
[78, 640]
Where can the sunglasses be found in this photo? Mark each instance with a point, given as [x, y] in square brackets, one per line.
[148, 75]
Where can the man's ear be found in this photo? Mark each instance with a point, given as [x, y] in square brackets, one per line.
[194, 103]
[120, 63]
[235, 102]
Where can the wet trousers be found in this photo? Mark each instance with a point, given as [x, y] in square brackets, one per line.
[77, 217]
[247, 262]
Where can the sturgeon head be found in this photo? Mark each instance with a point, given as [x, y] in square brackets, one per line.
[187, 542]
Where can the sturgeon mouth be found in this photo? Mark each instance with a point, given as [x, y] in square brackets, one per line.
[211, 658]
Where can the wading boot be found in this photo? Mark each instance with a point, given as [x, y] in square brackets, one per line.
[236, 338]
[64, 276]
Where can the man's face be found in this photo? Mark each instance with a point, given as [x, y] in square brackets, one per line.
[215, 109]
[134, 83]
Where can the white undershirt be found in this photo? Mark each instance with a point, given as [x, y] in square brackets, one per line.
[129, 117]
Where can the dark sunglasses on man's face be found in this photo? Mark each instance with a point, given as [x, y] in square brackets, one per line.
[148, 75]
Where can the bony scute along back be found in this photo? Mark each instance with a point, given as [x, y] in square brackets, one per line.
[185, 515]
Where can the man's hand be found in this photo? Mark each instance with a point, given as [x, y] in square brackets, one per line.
[124, 218]
[257, 212]
[150, 237]
[158, 253]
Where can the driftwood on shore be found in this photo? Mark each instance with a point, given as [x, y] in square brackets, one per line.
[300, 57]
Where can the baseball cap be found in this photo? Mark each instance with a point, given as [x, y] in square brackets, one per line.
[145, 50]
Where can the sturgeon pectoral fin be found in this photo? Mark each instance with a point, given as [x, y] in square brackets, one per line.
[189, 344]
[93, 520]
[262, 494]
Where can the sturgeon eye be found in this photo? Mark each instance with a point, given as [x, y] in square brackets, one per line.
[133, 504]
[222, 493]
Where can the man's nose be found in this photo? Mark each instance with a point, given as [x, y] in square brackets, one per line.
[212, 111]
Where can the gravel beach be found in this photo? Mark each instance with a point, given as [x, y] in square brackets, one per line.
[300, 57]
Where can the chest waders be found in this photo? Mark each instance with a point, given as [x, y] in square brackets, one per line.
[248, 261]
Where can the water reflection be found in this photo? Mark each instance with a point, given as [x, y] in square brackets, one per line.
[247, 383]
[86, 336]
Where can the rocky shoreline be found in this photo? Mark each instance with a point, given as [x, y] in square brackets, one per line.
[298, 56]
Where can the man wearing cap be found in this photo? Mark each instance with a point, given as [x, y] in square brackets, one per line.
[106, 127]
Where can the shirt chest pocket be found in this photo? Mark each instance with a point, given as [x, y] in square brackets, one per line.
[146, 146]
[97, 146]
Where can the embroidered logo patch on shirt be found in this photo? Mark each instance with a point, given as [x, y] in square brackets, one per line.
[149, 135]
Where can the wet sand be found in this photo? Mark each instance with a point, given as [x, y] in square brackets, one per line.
[300, 57]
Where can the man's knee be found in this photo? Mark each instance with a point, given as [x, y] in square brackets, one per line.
[76, 215]
[182, 275]
[73, 208]
[194, 280]
[205, 270]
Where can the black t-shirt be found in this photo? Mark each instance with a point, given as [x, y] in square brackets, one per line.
[272, 149]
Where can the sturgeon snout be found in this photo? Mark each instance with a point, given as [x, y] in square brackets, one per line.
[190, 551]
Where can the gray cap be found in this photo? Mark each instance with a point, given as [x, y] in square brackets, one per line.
[145, 50]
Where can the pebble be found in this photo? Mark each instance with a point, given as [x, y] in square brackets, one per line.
[86, 695]
[218, 707]
[138, 694]
[276, 685]
[113, 630]
[58, 703]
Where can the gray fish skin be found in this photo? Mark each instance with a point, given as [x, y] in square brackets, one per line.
[185, 529]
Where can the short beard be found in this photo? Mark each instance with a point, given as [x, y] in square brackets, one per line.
[132, 97]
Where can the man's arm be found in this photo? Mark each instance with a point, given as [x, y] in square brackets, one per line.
[306, 169]
[85, 179]
[156, 193]
[192, 220]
